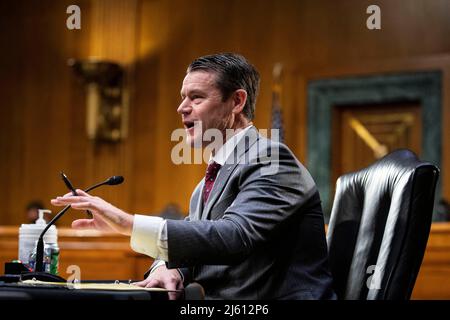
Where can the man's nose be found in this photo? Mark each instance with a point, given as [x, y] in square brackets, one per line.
[184, 108]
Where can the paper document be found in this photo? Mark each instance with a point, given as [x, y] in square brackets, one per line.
[93, 286]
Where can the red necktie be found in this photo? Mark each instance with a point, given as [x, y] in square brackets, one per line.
[210, 177]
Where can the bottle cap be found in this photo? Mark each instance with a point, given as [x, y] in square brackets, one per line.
[41, 219]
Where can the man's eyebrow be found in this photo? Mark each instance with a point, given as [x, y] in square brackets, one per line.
[191, 92]
[197, 91]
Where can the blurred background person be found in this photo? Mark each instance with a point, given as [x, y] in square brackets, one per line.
[32, 211]
[172, 211]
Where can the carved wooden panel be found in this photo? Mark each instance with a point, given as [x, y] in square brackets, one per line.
[363, 134]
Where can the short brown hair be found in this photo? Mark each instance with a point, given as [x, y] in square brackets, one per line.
[233, 72]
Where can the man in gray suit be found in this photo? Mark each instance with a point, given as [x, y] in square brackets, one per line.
[255, 228]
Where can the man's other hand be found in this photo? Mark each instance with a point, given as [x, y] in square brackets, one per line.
[161, 277]
[106, 217]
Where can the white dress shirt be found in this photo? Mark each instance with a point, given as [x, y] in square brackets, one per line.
[149, 235]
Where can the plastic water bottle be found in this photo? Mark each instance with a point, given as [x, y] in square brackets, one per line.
[29, 234]
[50, 260]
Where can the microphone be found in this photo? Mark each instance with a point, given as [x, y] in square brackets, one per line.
[112, 181]
[194, 291]
[39, 266]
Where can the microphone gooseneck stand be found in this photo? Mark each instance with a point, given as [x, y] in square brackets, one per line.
[39, 273]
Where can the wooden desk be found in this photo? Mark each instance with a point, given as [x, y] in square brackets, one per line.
[433, 281]
[109, 256]
[100, 256]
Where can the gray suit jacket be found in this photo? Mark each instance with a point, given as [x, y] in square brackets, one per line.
[261, 234]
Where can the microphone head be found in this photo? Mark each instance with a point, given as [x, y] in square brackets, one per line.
[114, 180]
[194, 291]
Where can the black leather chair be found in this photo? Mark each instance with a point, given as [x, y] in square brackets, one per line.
[379, 227]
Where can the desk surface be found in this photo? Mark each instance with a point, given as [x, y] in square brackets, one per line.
[11, 291]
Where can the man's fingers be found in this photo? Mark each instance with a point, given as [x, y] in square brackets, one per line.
[72, 199]
[142, 283]
[83, 205]
[153, 283]
[57, 203]
[173, 295]
[172, 285]
[83, 224]
[63, 201]
[82, 193]
[177, 295]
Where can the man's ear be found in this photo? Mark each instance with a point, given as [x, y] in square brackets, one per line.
[239, 100]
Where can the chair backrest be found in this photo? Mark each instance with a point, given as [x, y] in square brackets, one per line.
[379, 227]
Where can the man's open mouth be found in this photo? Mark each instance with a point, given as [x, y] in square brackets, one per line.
[188, 124]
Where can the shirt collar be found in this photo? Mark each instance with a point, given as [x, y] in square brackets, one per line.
[225, 151]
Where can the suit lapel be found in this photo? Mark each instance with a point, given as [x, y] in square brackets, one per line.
[220, 183]
[197, 201]
[225, 172]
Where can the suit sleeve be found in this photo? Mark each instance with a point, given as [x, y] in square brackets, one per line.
[263, 203]
[184, 272]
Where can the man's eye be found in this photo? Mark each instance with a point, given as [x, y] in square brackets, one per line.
[196, 98]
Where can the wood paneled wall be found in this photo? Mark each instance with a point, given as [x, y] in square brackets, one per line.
[42, 128]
